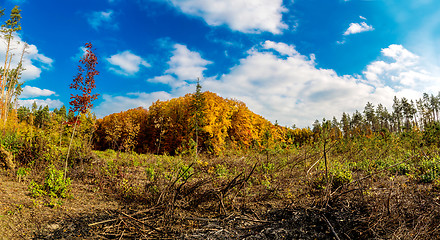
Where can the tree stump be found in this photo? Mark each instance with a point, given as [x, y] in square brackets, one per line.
[6, 159]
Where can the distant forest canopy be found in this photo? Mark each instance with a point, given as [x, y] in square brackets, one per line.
[173, 126]
[215, 124]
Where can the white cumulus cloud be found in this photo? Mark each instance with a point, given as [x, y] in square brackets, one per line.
[184, 65]
[30, 92]
[355, 28]
[401, 69]
[240, 15]
[114, 104]
[126, 63]
[282, 48]
[33, 61]
[279, 83]
[41, 102]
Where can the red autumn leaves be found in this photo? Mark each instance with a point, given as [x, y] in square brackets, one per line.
[84, 82]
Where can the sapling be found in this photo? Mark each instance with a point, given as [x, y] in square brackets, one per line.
[82, 103]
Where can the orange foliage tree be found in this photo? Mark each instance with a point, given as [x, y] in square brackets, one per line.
[121, 131]
[168, 127]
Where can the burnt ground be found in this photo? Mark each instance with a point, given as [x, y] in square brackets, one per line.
[275, 224]
[374, 209]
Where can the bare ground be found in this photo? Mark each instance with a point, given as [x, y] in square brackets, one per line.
[374, 208]
[23, 217]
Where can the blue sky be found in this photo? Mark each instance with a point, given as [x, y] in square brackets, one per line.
[293, 61]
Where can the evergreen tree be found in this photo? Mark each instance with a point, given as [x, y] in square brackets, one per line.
[345, 123]
[370, 115]
[197, 109]
[397, 113]
[23, 114]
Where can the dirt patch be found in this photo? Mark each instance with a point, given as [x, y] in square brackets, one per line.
[23, 217]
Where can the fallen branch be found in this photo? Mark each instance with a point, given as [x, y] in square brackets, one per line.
[148, 225]
[331, 227]
[105, 221]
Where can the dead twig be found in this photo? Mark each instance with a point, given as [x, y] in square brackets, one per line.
[102, 222]
[330, 226]
[136, 220]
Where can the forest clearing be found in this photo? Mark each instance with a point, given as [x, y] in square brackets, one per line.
[201, 166]
[374, 188]
[184, 170]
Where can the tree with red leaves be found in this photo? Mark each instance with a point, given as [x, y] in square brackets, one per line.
[82, 103]
[85, 82]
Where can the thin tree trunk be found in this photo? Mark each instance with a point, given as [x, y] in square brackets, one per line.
[11, 88]
[68, 151]
[325, 162]
[4, 77]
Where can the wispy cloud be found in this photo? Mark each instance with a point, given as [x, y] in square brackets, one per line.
[240, 15]
[126, 63]
[102, 18]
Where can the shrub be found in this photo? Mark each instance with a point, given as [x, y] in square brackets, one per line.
[431, 133]
[221, 170]
[36, 189]
[429, 170]
[401, 169]
[22, 173]
[185, 171]
[149, 171]
[338, 174]
[53, 185]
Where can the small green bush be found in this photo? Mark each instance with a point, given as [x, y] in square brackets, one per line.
[338, 174]
[401, 169]
[22, 173]
[221, 170]
[53, 186]
[36, 189]
[185, 171]
[149, 171]
[429, 170]
[267, 168]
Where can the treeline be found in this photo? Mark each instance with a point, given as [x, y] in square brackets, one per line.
[42, 117]
[56, 126]
[206, 122]
[405, 115]
[203, 121]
